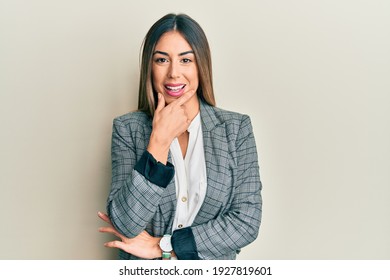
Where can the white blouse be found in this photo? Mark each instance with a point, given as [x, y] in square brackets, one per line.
[190, 176]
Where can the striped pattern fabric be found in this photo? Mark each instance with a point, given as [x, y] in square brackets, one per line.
[230, 215]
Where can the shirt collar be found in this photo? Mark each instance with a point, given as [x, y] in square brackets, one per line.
[195, 123]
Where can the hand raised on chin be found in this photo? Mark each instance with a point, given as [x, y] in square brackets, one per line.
[169, 122]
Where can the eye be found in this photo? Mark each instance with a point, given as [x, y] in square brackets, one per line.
[161, 60]
[186, 60]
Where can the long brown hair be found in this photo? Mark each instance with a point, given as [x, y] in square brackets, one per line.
[196, 38]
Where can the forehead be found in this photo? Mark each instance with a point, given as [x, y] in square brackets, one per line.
[172, 42]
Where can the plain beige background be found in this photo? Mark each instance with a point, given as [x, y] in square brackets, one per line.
[313, 75]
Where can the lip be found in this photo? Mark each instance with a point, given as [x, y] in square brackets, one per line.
[174, 90]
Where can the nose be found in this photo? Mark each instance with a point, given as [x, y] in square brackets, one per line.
[174, 71]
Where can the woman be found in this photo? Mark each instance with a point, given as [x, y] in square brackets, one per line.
[185, 174]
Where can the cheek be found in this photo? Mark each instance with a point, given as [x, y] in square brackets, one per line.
[196, 79]
[156, 78]
[156, 71]
[193, 76]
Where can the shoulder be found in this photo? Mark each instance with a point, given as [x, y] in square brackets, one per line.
[133, 119]
[226, 116]
[133, 124]
[233, 121]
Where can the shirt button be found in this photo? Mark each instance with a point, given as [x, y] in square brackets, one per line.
[184, 199]
[180, 226]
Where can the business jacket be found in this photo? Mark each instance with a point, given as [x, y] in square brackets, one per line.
[230, 215]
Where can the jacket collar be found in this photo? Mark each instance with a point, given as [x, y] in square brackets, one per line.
[208, 117]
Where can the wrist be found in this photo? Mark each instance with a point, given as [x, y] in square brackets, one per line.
[166, 247]
[157, 250]
[159, 148]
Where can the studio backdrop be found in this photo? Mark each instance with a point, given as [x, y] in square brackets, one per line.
[312, 75]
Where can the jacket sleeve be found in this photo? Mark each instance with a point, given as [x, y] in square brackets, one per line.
[239, 225]
[137, 184]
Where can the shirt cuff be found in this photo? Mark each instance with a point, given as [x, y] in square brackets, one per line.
[183, 243]
[154, 171]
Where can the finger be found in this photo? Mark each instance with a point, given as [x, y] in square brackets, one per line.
[160, 102]
[116, 244]
[111, 230]
[185, 97]
[104, 217]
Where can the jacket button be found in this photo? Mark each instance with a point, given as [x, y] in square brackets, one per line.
[184, 199]
[180, 226]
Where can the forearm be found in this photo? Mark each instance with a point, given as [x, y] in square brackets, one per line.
[226, 234]
[237, 227]
[134, 204]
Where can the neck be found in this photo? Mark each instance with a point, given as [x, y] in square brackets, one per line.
[192, 107]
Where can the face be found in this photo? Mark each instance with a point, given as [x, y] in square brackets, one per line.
[174, 68]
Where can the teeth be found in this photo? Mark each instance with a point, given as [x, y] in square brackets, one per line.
[174, 88]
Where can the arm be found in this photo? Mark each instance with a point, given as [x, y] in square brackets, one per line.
[135, 194]
[237, 226]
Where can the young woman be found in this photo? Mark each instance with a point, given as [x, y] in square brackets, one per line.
[185, 174]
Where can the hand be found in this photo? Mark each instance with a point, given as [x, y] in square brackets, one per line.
[169, 122]
[143, 245]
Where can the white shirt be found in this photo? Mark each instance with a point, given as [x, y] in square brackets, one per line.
[190, 176]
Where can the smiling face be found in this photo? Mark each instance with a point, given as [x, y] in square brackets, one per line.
[174, 68]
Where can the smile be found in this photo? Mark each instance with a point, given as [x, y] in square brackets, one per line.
[174, 90]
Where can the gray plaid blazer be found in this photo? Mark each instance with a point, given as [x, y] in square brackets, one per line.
[230, 216]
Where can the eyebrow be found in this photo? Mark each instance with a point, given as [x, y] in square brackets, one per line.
[166, 54]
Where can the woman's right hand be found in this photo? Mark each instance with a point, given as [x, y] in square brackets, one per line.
[169, 122]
